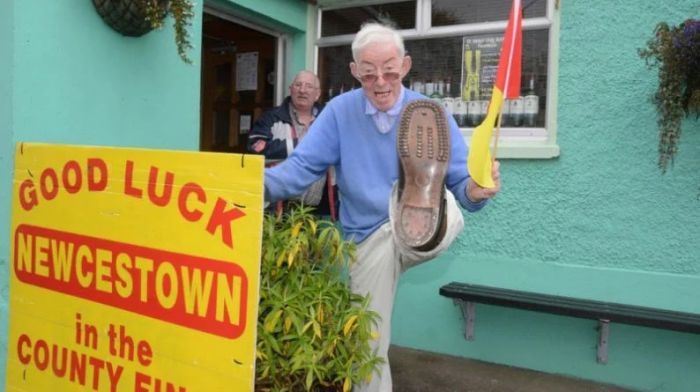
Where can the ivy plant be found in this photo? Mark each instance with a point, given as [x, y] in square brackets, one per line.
[313, 332]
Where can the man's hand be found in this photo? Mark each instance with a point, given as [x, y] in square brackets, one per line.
[476, 194]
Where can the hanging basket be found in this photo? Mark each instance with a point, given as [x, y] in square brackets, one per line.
[129, 17]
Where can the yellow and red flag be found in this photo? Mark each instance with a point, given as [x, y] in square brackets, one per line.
[507, 85]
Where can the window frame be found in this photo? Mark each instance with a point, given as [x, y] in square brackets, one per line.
[541, 143]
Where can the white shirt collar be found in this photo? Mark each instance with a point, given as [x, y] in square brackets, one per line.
[394, 111]
[385, 120]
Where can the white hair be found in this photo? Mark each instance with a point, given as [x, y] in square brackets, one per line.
[373, 32]
[306, 71]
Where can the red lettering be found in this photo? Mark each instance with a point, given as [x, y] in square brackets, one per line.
[48, 174]
[77, 175]
[97, 365]
[41, 354]
[59, 369]
[163, 199]
[23, 341]
[129, 181]
[27, 198]
[141, 381]
[173, 287]
[188, 189]
[95, 166]
[222, 217]
[77, 369]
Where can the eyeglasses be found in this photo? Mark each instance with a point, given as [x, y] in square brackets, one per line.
[300, 85]
[387, 76]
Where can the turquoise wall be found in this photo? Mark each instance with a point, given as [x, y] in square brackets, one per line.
[66, 77]
[599, 222]
[6, 47]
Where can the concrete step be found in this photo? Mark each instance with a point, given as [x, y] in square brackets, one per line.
[422, 371]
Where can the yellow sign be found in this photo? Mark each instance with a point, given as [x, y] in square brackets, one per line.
[133, 270]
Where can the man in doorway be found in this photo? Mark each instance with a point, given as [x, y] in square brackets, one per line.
[401, 172]
[279, 130]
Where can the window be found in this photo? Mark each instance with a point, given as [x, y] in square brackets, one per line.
[455, 46]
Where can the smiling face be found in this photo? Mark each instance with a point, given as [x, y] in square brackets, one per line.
[380, 69]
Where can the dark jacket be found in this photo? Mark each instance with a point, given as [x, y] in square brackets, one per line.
[274, 127]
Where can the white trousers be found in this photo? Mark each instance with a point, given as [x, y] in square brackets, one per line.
[381, 258]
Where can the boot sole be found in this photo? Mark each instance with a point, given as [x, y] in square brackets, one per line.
[424, 153]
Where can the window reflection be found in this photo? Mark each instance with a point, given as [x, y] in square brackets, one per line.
[453, 12]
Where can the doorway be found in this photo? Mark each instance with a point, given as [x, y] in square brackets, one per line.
[239, 81]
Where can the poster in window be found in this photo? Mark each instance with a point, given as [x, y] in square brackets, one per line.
[480, 56]
[247, 71]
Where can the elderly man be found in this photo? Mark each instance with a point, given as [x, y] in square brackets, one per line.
[279, 130]
[401, 172]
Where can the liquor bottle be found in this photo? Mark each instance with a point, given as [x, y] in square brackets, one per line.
[473, 113]
[506, 118]
[460, 111]
[446, 99]
[531, 104]
[440, 89]
[448, 87]
[516, 111]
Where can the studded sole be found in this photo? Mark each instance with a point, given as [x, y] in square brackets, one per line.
[424, 150]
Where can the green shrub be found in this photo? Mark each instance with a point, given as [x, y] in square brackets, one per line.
[313, 333]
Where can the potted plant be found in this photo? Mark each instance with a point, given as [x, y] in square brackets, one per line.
[313, 333]
[135, 18]
[676, 52]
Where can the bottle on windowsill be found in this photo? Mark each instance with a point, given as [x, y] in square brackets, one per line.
[439, 90]
[531, 104]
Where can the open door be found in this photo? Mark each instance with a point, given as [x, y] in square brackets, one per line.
[238, 82]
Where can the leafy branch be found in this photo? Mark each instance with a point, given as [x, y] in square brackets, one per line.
[676, 53]
[182, 12]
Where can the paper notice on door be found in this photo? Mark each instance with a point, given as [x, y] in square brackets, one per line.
[247, 71]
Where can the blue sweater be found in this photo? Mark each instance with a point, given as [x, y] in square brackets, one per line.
[366, 163]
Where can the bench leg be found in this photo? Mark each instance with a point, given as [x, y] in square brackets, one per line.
[469, 314]
[603, 334]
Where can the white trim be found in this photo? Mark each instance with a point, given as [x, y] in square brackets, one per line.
[423, 17]
[336, 4]
[519, 133]
[553, 77]
[224, 13]
[280, 65]
[444, 31]
[528, 143]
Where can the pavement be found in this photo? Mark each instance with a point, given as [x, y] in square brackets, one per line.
[422, 371]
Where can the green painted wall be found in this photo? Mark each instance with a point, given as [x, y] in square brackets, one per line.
[6, 47]
[599, 222]
[66, 77]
